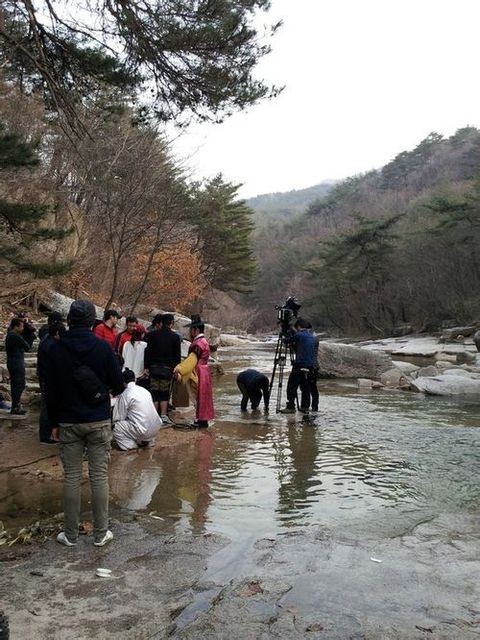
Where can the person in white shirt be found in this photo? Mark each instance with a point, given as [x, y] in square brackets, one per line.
[135, 419]
[133, 354]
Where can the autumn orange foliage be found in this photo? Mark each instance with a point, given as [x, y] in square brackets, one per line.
[175, 279]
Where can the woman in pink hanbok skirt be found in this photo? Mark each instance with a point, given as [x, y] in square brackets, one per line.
[195, 373]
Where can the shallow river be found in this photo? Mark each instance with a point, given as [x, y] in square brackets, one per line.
[375, 463]
[384, 474]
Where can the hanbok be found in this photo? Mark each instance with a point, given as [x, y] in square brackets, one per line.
[197, 376]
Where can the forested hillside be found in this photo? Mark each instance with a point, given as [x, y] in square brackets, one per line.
[283, 206]
[92, 200]
[396, 246]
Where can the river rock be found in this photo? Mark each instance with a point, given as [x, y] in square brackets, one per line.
[54, 301]
[455, 333]
[232, 340]
[393, 378]
[364, 384]
[446, 357]
[406, 367]
[402, 330]
[427, 372]
[443, 385]
[457, 372]
[466, 357]
[445, 364]
[476, 340]
[347, 361]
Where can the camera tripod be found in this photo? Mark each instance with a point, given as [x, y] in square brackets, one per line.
[282, 351]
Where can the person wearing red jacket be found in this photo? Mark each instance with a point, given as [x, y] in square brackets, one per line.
[106, 330]
[131, 325]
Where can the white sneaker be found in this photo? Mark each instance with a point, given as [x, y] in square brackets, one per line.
[62, 539]
[166, 420]
[106, 538]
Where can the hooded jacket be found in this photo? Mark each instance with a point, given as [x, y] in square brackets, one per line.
[65, 403]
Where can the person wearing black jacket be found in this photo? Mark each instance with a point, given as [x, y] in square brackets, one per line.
[253, 384]
[55, 331]
[29, 333]
[53, 318]
[81, 369]
[162, 355]
[15, 346]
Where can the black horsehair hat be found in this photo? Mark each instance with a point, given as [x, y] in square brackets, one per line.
[195, 321]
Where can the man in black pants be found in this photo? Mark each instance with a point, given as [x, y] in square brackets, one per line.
[253, 386]
[162, 355]
[303, 342]
[55, 332]
[15, 346]
[312, 378]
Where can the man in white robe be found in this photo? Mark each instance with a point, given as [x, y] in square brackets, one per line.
[135, 419]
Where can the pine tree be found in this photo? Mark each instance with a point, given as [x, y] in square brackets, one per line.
[22, 224]
[224, 228]
[195, 57]
[352, 272]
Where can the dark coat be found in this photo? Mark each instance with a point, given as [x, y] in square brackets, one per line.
[15, 346]
[65, 403]
[163, 347]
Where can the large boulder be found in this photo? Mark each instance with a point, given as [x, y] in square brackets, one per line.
[393, 378]
[456, 333]
[346, 361]
[447, 385]
[458, 372]
[445, 357]
[476, 340]
[427, 372]
[54, 301]
[466, 357]
[406, 367]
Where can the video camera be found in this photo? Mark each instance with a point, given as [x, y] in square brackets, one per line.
[287, 313]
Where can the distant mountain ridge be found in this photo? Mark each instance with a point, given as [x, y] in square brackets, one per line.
[395, 247]
[282, 206]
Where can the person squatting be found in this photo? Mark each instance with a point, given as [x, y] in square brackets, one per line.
[79, 368]
[85, 367]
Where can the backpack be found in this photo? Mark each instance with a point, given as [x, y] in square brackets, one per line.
[92, 390]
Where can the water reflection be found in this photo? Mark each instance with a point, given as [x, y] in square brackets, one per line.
[374, 462]
[297, 470]
[172, 483]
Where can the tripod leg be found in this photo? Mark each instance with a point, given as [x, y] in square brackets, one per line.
[275, 361]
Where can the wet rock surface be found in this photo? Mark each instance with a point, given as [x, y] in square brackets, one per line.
[314, 584]
[361, 523]
[348, 361]
[311, 583]
[447, 385]
[64, 599]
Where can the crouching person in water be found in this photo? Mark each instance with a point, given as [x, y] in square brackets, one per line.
[135, 419]
[253, 386]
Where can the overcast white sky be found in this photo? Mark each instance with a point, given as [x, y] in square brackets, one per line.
[364, 80]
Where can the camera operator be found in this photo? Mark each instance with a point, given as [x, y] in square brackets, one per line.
[304, 346]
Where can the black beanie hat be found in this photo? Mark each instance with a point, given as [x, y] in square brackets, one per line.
[82, 314]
